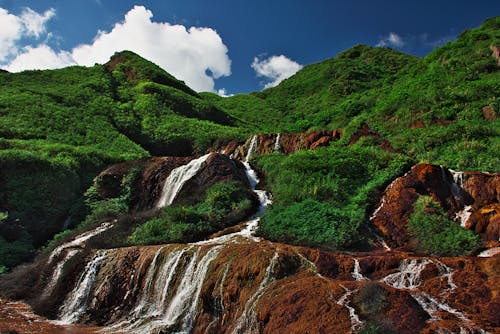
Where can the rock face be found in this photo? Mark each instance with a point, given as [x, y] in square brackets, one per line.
[152, 173]
[264, 287]
[471, 198]
[286, 143]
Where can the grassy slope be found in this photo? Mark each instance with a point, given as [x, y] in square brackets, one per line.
[59, 128]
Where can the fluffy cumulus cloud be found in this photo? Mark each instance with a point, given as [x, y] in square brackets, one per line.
[195, 55]
[13, 28]
[392, 40]
[275, 69]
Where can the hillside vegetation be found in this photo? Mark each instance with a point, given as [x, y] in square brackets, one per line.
[59, 128]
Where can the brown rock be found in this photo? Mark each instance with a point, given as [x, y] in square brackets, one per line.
[479, 190]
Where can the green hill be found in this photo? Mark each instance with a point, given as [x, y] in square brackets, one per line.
[59, 128]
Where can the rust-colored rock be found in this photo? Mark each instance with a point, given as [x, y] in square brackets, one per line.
[286, 143]
[489, 113]
[154, 171]
[365, 131]
[457, 192]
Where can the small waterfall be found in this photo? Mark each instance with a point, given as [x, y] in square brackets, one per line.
[447, 272]
[76, 302]
[408, 276]
[355, 321]
[56, 274]
[158, 280]
[171, 293]
[490, 252]
[356, 274]
[277, 146]
[177, 178]
[247, 322]
[433, 307]
[79, 241]
[251, 148]
[464, 215]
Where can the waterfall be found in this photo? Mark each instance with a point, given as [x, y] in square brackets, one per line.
[251, 148]
[78, 241]
[408, 276]
[447, 272]
[247, 321]
[171, 293]
[277, 146]
[157, 286]
[177, 178]
[464, 215]
[355, 321]
[356, 274]
[56, 274]
[432, 306]
[252, 224]
[490, 252]
[76, 302]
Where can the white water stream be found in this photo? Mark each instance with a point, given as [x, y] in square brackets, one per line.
[79, 241]
[356, 323]
[356, 274]
[277, 146]
[177, 178]
[247, 322]
[77, 301]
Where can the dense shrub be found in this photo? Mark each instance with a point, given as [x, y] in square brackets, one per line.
[309, 222]
[323, 196]
[224, 205]
[436, 233]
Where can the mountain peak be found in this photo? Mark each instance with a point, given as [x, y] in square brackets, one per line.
[137, 68]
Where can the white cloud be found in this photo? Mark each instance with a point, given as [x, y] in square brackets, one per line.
[275, 68]
[13, 28]
[223, 93]
[35, 23]
[195, 55]
[40, 57]
[391, 40]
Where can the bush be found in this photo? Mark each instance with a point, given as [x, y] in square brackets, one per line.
[224, 205]
[436, 233]
[309, 222]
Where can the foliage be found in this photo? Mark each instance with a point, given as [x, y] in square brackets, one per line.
[321, 189]
[309, 222]
[224, 204]
[436, 233]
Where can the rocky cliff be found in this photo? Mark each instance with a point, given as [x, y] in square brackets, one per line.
[285, 143]
[472, 199]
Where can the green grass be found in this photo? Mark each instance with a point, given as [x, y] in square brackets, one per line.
[224, 204]
[436, 234]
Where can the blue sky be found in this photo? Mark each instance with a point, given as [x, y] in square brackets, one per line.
[226, 46]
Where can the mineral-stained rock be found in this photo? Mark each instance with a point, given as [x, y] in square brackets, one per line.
[286, 143]
[471, 198]
[154, 171]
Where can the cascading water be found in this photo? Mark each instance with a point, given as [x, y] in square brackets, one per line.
[76, 303]
[56, 274]
[356, 323]
[79, 241]
[251, 148]
[247, 321]
[252, 224]
[177, 178]
[277, 146]
[169, 300]
[408, 276]
[356, 274]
